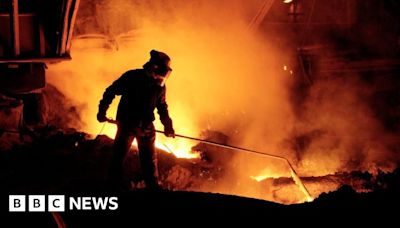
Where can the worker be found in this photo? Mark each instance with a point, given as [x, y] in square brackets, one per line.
[141, 91]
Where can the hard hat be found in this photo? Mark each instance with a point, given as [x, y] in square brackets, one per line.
[161, 63]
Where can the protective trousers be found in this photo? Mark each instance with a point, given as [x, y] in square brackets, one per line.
[147, 155]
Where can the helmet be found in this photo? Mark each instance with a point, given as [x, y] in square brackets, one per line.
[159, 63]
[159, 58]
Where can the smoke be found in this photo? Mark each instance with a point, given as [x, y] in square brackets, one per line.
[343, 131]
[225, 78]
[223, 75]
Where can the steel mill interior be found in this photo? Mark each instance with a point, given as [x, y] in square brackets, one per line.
[280, 107]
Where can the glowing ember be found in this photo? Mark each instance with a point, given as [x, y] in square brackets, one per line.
[287, 1]
[178, 148]
[265, 174]
[270, 174]
[259, 178]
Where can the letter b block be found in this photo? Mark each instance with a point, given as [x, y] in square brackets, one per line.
[16, 203]
[37, 203]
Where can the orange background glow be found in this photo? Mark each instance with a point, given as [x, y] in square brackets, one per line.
[225, 78]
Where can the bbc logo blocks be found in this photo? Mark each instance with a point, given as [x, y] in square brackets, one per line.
[36, 203]
[59, 203]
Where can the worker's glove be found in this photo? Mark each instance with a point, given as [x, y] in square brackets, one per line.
[169, 131]
[101, 115]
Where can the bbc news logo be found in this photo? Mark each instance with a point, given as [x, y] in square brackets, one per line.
[59, 203]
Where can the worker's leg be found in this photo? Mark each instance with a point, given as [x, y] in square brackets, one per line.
[148, 160]
[122, 144]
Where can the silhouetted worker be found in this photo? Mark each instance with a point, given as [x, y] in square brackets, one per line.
[141, 90]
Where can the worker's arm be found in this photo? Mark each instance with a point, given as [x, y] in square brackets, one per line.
[114, 89]
[162, 109]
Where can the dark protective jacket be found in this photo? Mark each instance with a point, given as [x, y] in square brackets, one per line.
[140, 95]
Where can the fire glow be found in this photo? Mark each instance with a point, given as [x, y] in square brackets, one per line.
[179, 148]
[228, 80]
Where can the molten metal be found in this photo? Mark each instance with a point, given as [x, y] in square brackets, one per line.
[293, 173]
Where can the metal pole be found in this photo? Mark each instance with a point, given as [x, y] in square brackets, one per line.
[293, 173]
[226, 146]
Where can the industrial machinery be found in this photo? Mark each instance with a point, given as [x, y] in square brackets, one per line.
[32, 34]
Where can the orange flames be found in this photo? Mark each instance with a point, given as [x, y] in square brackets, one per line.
[218, 77]
[225, 79]
[179, 147]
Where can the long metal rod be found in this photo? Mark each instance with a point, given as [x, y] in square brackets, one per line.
[293, 173]
[227, 146]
